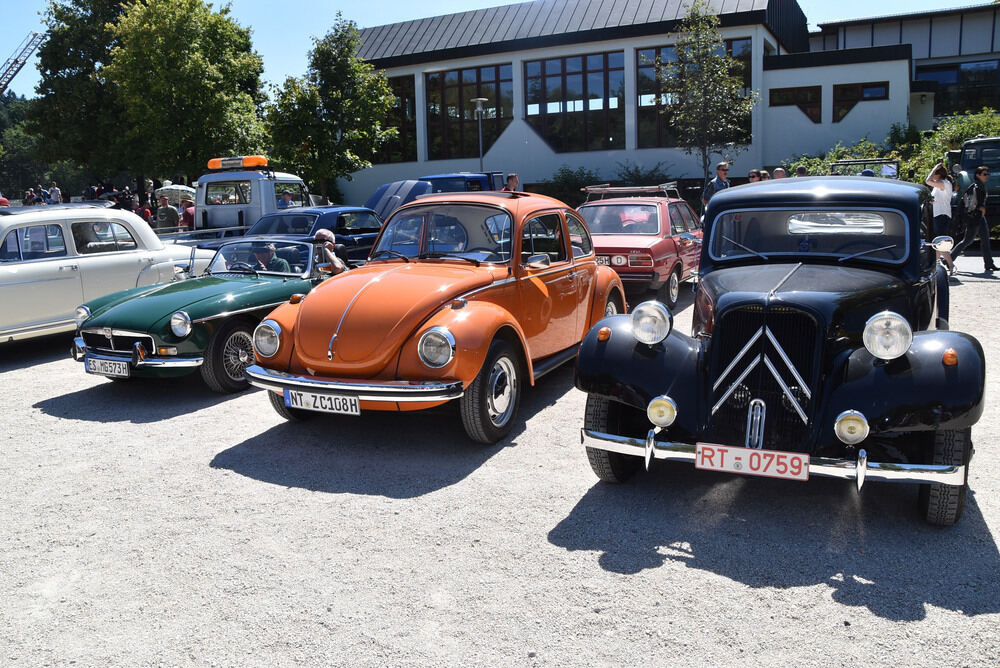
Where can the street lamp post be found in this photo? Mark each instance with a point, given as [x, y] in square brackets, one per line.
[479, 117]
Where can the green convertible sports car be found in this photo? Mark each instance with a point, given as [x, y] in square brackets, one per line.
[204, 323]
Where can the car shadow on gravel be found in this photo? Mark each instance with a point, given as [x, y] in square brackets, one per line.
[139, 400]
[42, 350]
[872, 550]
[396, 455]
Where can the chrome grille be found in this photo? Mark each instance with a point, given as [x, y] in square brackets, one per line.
[767, 354]
[120, 341]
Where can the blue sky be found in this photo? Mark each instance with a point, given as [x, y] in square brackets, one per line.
[282, 30]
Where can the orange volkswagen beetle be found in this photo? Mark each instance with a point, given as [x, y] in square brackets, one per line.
[464, 296]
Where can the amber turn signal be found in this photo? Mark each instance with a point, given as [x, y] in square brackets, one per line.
[950, 357]
[603, 334]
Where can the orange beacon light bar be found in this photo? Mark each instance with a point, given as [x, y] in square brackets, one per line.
[238, 161]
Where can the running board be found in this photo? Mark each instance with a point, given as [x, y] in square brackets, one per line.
[550, 363]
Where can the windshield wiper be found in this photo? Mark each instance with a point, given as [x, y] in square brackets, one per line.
[390, 252]
[866, 252]
[746, 248]
[448, 256]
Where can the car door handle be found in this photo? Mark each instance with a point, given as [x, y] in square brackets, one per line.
[69, 267]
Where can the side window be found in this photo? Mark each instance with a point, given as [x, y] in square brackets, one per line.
[677, 222]
[123, 238]
[97, 237]
[543, 234]
[228, 192]
[9, 249]
[579, 237]
[358, 222]
[690, 218]
[41, 242]
[296, 194]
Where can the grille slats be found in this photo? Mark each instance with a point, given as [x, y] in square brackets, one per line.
[796, 333]
[119, 343]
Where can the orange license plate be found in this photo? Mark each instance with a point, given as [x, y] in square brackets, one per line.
[768, 463]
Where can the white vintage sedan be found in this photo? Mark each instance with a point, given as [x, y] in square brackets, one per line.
[52, 259]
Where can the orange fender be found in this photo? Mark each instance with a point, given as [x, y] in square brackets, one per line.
[607, 281]
[285, 315]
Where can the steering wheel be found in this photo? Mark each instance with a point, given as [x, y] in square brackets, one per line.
[632, 221]
[242, 265]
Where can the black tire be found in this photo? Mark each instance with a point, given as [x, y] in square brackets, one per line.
[614, 305]
[604, 415]
[670, 292]
[229, 353]
[290, 414]
[942, 505]
[490, 403]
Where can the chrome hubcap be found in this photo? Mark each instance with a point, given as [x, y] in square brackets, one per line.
[675, 287]
[237, 355]
[610, 308]
[501, 391]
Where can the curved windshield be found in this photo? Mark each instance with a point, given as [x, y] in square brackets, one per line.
[879, 236]
[621, 218]
[467, 231]
[284, 223]
[262, 257]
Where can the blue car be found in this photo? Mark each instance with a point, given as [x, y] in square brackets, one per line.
[356, 227]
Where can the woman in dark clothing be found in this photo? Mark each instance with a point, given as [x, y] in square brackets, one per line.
[977, 225]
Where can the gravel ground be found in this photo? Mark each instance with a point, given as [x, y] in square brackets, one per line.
[155, 522]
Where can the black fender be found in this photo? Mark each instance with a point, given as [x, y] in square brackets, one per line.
[916, 392]
[632, 373]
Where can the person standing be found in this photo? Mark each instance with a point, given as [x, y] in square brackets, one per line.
[166, 215]
[55, 194]
[974, 205]
[512, 183]
[801, 171]
[720, 182]
[753, 176]
[765, 175]
[187, 217]
[941, 190]
[779, 173]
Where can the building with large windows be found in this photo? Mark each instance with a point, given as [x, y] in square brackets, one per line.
[572, 83]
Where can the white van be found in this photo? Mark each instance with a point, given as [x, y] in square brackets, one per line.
[239, 190]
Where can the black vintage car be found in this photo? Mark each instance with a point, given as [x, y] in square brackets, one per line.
[819, 348]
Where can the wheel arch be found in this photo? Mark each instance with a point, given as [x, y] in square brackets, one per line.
[606, 282]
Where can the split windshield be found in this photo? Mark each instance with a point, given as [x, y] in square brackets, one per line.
[879, 236]
[262, 257]
[621, 218]
[470, 231]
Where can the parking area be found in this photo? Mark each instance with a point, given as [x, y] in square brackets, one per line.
[156, 522]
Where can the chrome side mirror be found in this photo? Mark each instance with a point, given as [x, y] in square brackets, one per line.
[943, 244]
[538, 261]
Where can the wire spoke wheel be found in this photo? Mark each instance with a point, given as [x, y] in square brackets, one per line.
[237, 355]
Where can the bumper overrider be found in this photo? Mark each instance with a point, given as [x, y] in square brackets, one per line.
[363, 390]
[859, 470]
[139, 359]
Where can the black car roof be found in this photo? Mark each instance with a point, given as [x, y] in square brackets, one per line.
[819, 190]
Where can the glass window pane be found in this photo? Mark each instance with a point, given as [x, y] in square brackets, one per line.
[645, 56]
[507, 99]
[488, 73]
[506, 72]
[595, 62]
[574, 64]
[469, 76]
[553, 89]
[533, 68]
[553, 66]
[616, 59]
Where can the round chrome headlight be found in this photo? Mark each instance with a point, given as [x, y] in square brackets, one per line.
[180, 324]
[436, 347]
[851, 427]
[662, 411]
[651, 322]
[82, 314]
[887, 335]
[267, 338]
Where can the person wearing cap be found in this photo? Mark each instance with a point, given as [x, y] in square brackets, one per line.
[187, 218]
[867, 172]
[329, 240]
[286, 200]
[720, 182]
[780, 173]
[267, 260]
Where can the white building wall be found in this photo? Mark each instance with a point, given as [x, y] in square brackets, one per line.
[945, 36]
[917, 34]
[977, 33]
[790, 132]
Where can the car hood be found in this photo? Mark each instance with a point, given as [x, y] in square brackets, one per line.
[844, 297]
[373, 310]
[203, 297]
[602, 241]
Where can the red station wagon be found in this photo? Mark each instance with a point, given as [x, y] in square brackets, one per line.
[648, 234]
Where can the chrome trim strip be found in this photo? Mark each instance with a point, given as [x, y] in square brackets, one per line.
[226, 314]
[41, 280]
[568, 267]
[736, 359]
[788, 363]
[39, 328]
[114, 332]
[373, 280]
[785, 389]
[494, 284]
[782, 281]
[736, 382]
[756, 413]
[149, 362]
[388, 390]
[818, 466]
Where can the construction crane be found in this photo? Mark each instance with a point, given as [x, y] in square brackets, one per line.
[20, 57]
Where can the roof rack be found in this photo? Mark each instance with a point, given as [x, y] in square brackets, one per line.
[508, 194]
[668, 189]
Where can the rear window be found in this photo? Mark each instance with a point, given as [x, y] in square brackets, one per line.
[621, 218]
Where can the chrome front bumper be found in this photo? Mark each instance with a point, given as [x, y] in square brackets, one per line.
[859, 470]
[136, 361]
[368, 390]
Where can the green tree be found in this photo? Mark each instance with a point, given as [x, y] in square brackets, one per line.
[704, 97]
[79, 116]
[190, 84]
[949, 135]
[566, 183]
[330, 123]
